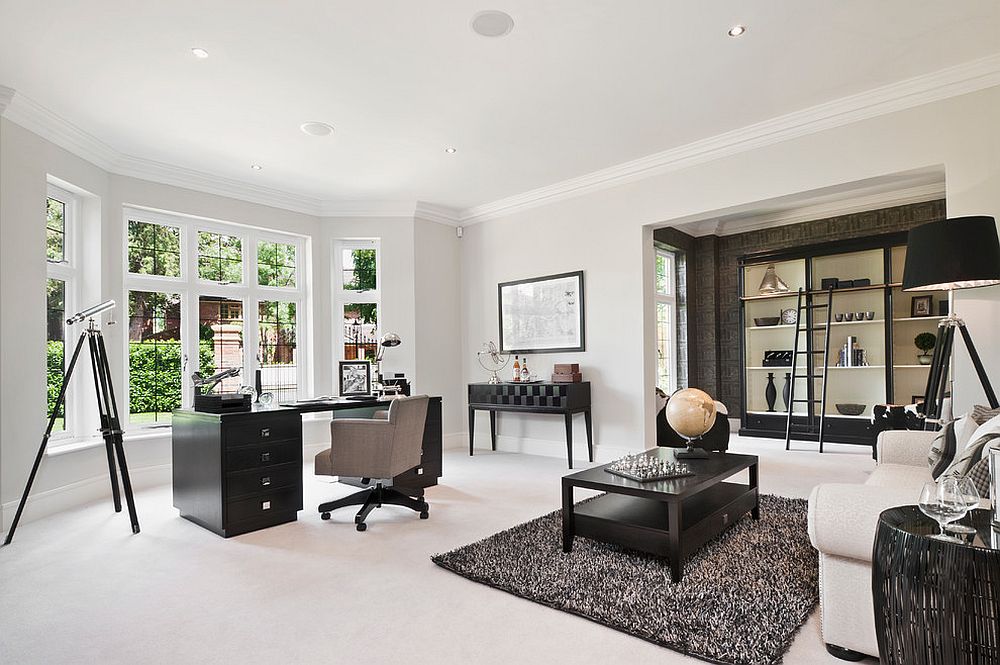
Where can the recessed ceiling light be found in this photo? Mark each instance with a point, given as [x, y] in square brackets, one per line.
[450, 151]
[316, 128]
[737, 30]
[256, 167]
[199, 53]
[492, 23]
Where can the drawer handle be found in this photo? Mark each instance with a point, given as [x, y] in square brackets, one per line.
[265, 481]
[265, 505]
[265, 433]
[265, 457]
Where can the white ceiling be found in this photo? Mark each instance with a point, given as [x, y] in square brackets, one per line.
[577, 86]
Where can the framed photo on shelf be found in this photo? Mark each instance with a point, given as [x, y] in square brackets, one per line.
[542, 314]
[922, 306]
[355, 377]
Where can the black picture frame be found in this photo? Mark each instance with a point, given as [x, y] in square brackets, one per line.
[519, 346]
[349, 384]
[921, 306]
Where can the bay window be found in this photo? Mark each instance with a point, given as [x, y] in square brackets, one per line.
[190, 285]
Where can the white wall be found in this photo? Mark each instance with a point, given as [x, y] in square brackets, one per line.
[26, 160]
[605, 233]
[438, 320]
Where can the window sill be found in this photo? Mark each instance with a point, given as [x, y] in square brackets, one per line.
[63, 447]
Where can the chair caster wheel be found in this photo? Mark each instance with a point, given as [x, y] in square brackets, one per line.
[325, 516]
[424, 514]
[361, 526]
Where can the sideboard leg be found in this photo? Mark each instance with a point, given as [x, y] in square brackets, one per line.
[472, 428]
[493, 429]
[588, 418]
[569, 439]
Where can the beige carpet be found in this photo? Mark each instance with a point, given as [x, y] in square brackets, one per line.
[79, 588]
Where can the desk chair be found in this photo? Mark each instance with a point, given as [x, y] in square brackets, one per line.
[376, 449]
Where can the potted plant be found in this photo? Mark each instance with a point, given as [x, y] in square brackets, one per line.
[925, 341]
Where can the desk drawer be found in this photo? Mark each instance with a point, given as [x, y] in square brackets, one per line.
[264, 430]
[263, 480]
[273, 503]
[252, 457]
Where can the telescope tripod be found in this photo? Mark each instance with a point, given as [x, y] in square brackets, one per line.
[111, 429]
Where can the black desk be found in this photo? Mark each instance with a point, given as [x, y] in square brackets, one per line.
[239, 472]
[565, 399]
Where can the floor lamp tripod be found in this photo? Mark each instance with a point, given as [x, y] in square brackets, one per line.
[111, 429]
[958, 253]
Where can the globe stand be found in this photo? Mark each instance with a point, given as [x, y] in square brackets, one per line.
[691, 452]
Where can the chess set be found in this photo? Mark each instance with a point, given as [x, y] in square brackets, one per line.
[645, 469]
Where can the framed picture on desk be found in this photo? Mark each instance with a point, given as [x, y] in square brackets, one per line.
[355, 377]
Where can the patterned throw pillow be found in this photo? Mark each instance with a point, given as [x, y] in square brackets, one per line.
[980, 475]
[983, 413]
[972, 454]
[942, 450]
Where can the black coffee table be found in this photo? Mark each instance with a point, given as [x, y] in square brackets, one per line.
[670, 518]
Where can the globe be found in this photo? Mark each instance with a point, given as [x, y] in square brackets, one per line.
[691, 412]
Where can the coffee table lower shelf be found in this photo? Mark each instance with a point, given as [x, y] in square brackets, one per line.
[650, 525]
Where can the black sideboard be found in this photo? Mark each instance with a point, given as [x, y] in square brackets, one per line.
[566, 399]
[239, 472]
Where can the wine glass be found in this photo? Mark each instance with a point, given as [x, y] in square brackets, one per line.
[970, 495]
[941, 503]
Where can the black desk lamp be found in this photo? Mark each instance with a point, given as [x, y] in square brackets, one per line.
[957, 253]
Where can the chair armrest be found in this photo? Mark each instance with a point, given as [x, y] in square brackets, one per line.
[843, 517]
[381, 415]
[908, 447]
[360, 446]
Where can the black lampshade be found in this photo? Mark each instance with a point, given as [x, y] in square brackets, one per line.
[957, 253]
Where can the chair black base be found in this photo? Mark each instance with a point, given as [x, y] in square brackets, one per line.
[372, 498]
[844, 654]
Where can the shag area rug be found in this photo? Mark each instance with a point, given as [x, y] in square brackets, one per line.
[742, 597]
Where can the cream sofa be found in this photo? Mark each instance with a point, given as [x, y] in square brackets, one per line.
[842, 521]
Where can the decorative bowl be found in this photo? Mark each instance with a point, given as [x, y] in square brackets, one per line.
[766, 320]
[851, 409]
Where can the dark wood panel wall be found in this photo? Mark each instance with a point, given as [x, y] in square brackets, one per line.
[712, 285]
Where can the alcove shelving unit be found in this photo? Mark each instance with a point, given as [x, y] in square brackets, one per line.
[893, 373]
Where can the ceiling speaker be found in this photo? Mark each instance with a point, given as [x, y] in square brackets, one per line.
[492, 23]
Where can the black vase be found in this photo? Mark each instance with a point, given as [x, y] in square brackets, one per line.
[787, 388]
[770, 392]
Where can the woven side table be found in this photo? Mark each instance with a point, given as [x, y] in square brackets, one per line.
[935, 602]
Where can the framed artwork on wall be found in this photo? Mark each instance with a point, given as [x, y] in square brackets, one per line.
[542, 314]
[921, 306]
[355, 377]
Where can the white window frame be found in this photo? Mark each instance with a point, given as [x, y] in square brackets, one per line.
[670, 299]
[68, 270]
[342, 296]
[191, 287]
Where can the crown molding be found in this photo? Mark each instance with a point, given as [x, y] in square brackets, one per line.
[34, 117]
[437, 213]
[6, 95]
[951, 82]
[847, 205]
[168, 174]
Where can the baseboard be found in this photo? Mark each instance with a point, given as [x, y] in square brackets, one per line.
[79, 493]
[455, 440]
[553, 448]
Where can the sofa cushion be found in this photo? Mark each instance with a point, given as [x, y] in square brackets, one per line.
[900, 476]
[974, 452]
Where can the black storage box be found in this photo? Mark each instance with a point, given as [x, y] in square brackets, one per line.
[222, 403]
